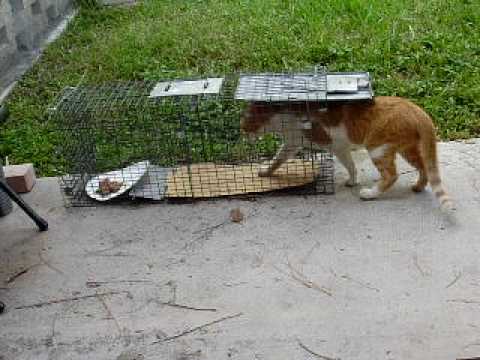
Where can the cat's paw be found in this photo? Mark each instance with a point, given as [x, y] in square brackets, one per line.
[418, 188]
[351, 183]
[369, 193]
[448, 206]
[265, 171]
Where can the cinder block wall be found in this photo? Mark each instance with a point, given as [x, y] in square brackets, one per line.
[24, 24]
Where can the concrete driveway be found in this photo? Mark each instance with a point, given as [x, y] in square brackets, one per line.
[300, 278]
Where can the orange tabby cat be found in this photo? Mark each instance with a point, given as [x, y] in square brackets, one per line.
[385, 127]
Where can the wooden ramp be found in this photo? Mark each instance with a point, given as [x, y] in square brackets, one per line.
[213, 180]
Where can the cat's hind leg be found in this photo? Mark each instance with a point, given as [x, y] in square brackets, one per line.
[383, 158]
[413, 157]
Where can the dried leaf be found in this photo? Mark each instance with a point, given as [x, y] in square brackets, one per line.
[236, 215]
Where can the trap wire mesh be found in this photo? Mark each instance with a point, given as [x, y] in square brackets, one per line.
[181, 140]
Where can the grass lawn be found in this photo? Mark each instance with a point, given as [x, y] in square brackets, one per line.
[428, 51]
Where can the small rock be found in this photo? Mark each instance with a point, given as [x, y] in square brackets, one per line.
[236, 215]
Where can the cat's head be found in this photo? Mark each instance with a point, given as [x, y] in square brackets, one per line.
[255, 118]
[260, 118]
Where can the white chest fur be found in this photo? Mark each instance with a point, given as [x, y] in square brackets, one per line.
[339, 137]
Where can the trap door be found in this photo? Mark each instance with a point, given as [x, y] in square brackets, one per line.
[315, 87]
[282, 87]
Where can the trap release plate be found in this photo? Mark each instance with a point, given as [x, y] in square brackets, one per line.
[187, 87]
[342, 86]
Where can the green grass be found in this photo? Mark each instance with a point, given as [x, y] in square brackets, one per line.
[428, 51]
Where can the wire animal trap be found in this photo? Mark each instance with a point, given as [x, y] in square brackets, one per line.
[181, 139]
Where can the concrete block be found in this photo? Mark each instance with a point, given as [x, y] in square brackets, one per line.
[7, 23]
[64, 6]
[3, 35]
[24, 41]
[16, 5]
[7, 56]
[36, 7]
[52, 15]
[21, 178]
[25, 26]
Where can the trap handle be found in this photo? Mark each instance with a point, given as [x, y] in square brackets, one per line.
[41, 223]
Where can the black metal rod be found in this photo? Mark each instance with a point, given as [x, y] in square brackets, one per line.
[41, 223]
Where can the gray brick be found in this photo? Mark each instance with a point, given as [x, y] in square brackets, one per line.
[52, 14]
[16, 5]
[36, 7]
[3, 35]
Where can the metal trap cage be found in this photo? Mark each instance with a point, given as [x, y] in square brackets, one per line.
[181, 139]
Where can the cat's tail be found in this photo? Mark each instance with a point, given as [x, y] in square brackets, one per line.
[429, 149]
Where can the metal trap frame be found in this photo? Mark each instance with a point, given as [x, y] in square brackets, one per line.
[180, 139]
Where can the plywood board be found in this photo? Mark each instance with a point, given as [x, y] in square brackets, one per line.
[213, 180]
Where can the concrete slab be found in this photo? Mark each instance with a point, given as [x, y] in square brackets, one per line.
[389, 279]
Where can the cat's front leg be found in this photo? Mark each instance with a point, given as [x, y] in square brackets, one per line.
[285, 152]
[265, 171]
[345, 157]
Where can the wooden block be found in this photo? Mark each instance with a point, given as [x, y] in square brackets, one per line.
[21, 178]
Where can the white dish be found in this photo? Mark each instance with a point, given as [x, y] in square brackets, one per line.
[128, 176]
